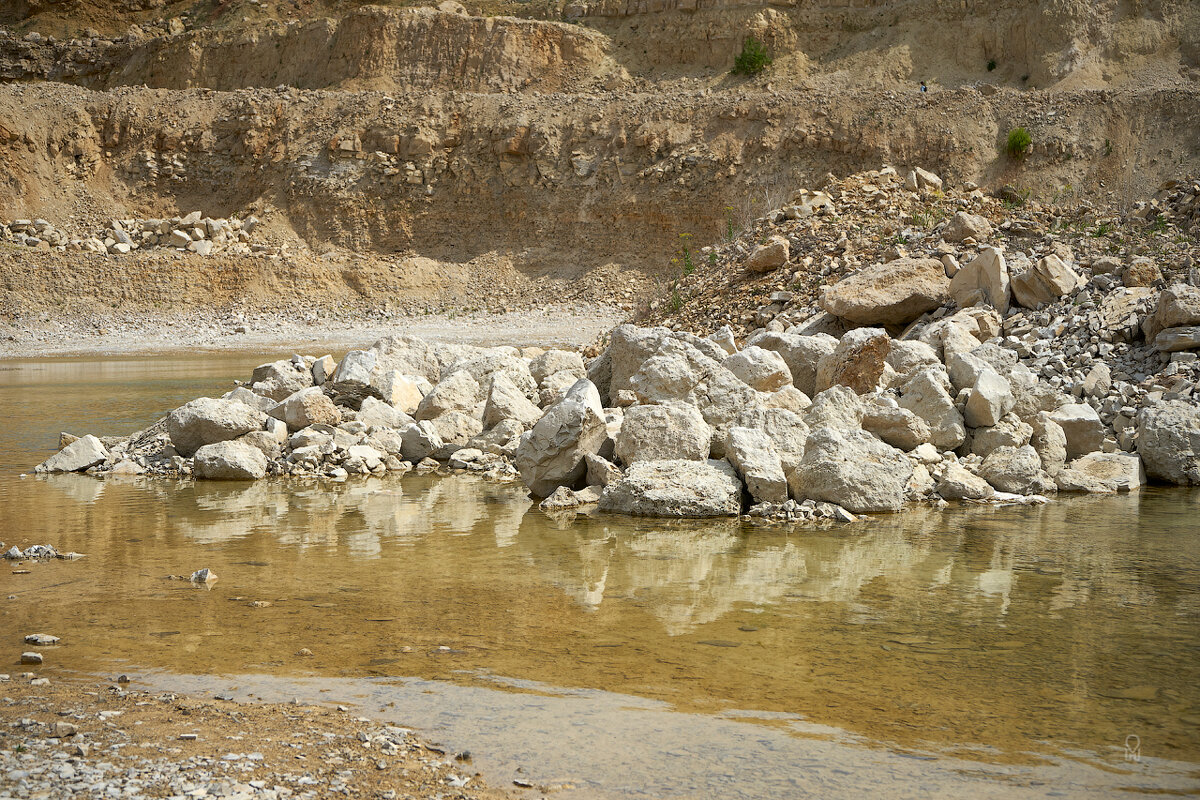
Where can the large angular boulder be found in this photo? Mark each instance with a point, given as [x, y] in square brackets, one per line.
[485, 365]
[859, 361]
[668, 432]
[1010, 431]
[1178, 306]
[377, 414]
[984, 280]
[206, 421]
[853, 469]
[991, 398]
[1044, 282]
[552, 454]
[1173, 340]
[897, 426]
[675, 489]
[1103, 472]
[83, 453]
[419, 440]
[1082, 426]
[506, 401]
[1169, 441]
[802, 354]
[401, 391]
[351, 381]
[230, 461]
[458, 391]
[1017, 470]
[963, 226]
[769, 256]
[1049, 442]
[927, 394]
[786, 430]
[894, 293]
[306, 407]
[956, 483]
[554, 362]
[763, 370]
[280, 378]
[757, 462]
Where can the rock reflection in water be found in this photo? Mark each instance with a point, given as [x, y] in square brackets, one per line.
[1022, 629]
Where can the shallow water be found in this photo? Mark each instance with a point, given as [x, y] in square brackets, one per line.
[991, 651]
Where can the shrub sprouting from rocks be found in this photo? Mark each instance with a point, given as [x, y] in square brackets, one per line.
[753, 59]
[1018, 143]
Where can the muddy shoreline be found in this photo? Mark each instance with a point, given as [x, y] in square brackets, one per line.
[136, 334]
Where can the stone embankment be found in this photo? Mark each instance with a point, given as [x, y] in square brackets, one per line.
[981, 375]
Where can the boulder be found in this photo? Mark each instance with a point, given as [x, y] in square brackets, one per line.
[458, 391]
[1082, 426]
[1173, 340]
[419, 440]
[927, 394]
[1044, 283]
[897, 426]
[365, 454]
[206, 421]
[351, 381]
[906, 357]
[279, 379]
[81, 454]
[1017, 470]
[836, 407]
[859, 361]
[790, 398]
[1178, 306]
[762, 370]
[786, 430]
[1141, 272]
[241, 394]
[323, 369]
[408, 355]
[675, 489]
[485, 365]
[757, 462]
[377, 414]
[1103, 472]
[552, 454]
[983, 280]
[306, 407]
[852, 469]
[269, 445]
[455, 428]
[991, 398]
[894, 293]
[555, 386]
[800, 353]
[770, 256]
[401, 391]
[553, 362]
[1169, 441]
[967, 226]
[957, 483]
[506, 401]
[600, 471]
[1010, 431]
[230, 461]
[1049, 441]
[668, 432]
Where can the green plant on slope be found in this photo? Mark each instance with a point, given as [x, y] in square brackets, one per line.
[753, 59]
[1018, 143]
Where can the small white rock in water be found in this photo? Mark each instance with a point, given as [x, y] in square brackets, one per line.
[41, 639]
[31, 658]
[40, 682]
[205, 575]
[14, 553]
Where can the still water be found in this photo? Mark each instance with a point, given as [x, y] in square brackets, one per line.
[991, 652]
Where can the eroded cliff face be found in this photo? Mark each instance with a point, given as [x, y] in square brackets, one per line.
[569, 147]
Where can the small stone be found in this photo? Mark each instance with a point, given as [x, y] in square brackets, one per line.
[42, 639]
[203, 576]
[31, 658]
[64, 730]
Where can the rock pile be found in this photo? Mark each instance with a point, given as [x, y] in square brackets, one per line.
[960, 369]
[194, 233]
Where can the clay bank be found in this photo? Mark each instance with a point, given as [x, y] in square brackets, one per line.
[930, 401]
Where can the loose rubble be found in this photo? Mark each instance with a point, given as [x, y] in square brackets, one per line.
[194, 233]
[87, 740]
[954, 367]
